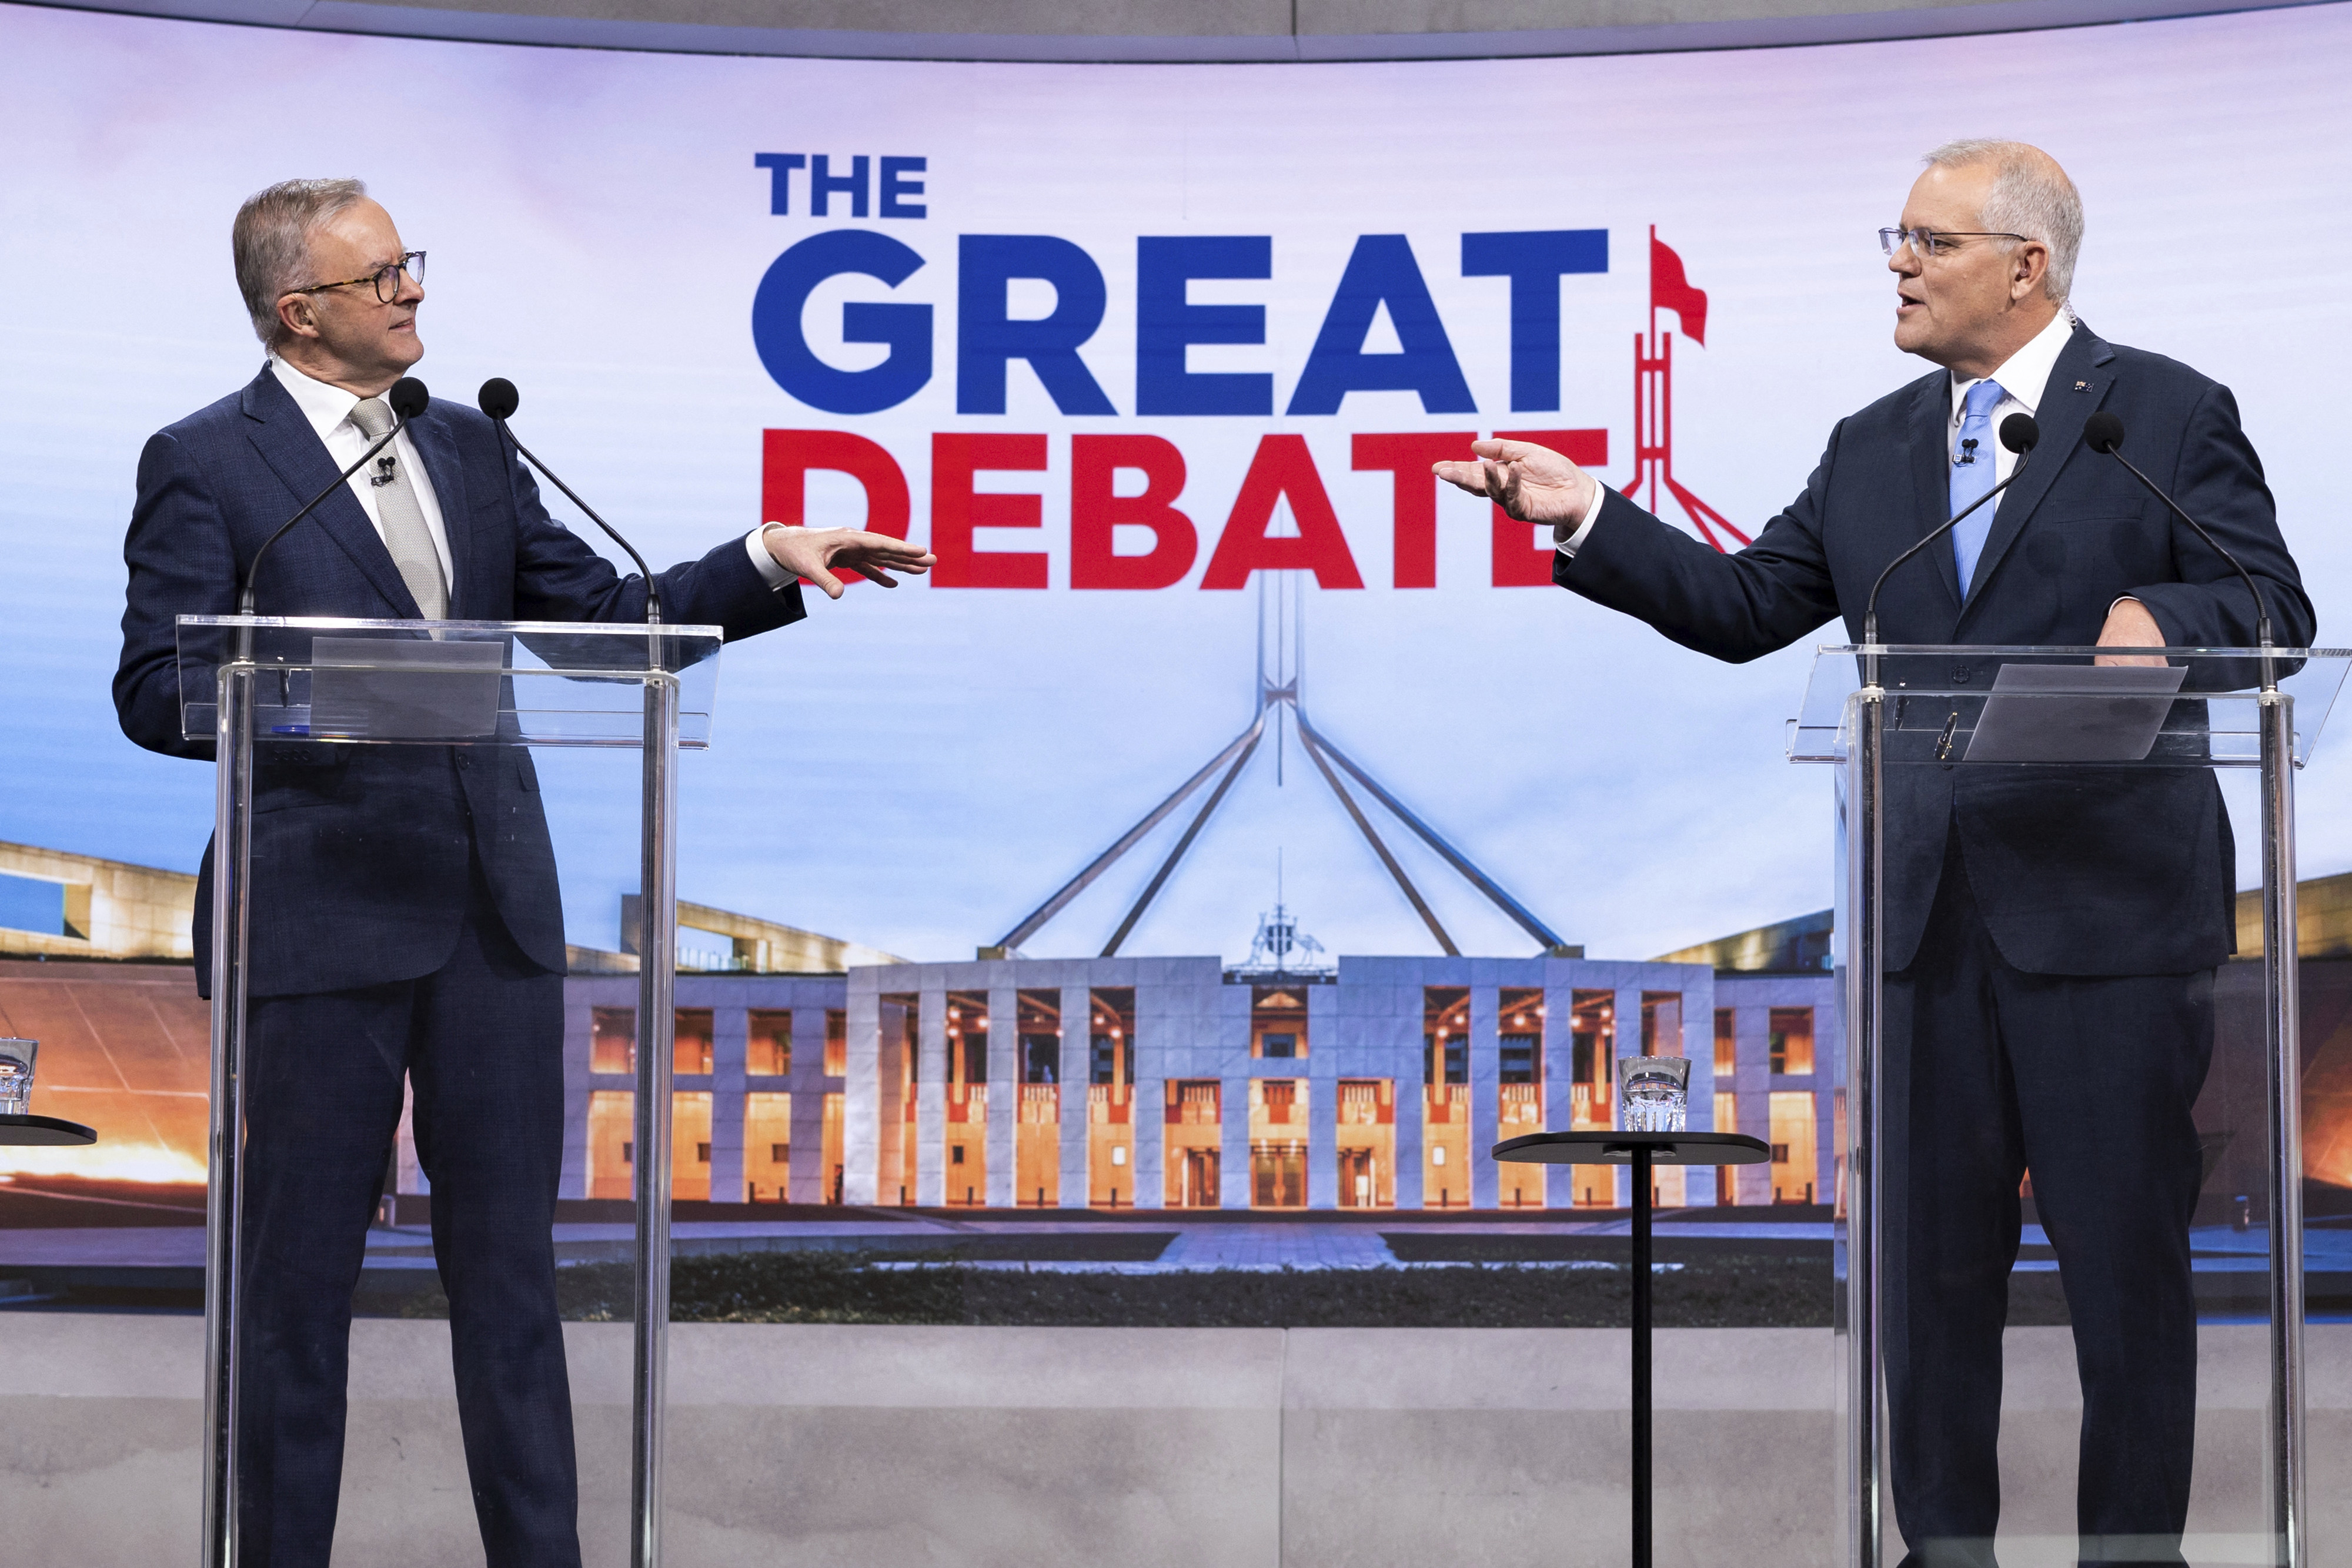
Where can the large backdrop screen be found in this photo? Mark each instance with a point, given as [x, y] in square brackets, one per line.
[1126, 345]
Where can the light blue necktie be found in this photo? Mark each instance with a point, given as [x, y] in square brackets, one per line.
[1973, 470]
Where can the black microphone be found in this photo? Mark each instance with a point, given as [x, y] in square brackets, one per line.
[2102, 433]
[499, 399]
[407, 398]
[2021, 436]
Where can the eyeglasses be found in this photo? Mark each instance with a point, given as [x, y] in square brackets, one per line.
[1932, 242]
[386, 279]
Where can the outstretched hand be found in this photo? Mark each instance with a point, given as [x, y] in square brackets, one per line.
[1533, 484]
[817, 553]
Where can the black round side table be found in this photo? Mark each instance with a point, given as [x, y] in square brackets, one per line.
[24, 1130]
[1644, 1152]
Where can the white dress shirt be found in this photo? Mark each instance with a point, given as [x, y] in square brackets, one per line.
[329, 410]
[2024, 376]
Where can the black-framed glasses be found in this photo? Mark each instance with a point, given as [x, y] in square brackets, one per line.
[386, 279]
[1931, 243]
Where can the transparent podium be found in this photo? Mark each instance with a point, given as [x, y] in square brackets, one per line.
[252, 684]
[1875, 712]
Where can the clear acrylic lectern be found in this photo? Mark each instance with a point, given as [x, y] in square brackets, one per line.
[1870, 709]
[248, 683]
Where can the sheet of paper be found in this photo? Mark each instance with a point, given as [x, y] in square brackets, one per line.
[2075, 713]
[398, 689]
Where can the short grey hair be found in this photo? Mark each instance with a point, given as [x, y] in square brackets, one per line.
[2030, 195]
[271, 243]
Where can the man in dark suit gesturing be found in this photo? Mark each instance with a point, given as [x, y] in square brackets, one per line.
[405, 923]
[2050, 936]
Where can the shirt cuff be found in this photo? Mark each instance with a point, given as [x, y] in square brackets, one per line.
[1575, 541]
[773, 575]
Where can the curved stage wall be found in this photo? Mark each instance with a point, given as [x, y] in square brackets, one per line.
[1204, 30]
[990, 316]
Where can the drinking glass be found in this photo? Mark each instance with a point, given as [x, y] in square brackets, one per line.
[1655, 1092]
[16, 1076]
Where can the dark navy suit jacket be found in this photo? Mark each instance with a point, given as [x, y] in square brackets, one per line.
[2078, 870]
[364, 855]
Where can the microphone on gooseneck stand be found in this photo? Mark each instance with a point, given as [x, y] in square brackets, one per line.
[2102, 433]
[499, 399]
[2021, 436]
[407, 398]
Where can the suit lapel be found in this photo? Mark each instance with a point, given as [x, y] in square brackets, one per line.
[300, 460]
[2078, 385]
[440, 450]
[1931, 473]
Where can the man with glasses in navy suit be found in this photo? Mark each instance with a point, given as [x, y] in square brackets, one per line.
[407, 923]
[2050, 937]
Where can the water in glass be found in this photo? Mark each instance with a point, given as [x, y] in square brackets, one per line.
[1655, 1092]
[16, 1076]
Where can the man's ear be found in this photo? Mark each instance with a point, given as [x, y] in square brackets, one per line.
[298, 314]
[2026, 270]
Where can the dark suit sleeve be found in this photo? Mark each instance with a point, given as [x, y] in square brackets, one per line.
[181, 562]
[559, 577]
[1733, 607]
[2219, 481]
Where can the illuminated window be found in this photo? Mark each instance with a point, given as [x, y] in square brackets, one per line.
[1366, 1143]
[1593, 1046]
[1193, 1143]
[1040, 1036]
[612, 1045]
[1792, 1040]
[769, 1051]
[1277, 1143]
[830, 1143]
[1726, 1046]
[1520, 1041]
[1110, 1058]
[689, 1145]
[1445, 1034]
[1110, 1096]
[967, 1037]
[611, 1113]
[768, 1131]
[1519, 1095]
[1037, 1136]
[967, 1095]
[1593, 1052]
[1278, 1021]
[1793, 1150]
[691, 1045]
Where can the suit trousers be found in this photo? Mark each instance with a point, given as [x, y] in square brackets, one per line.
[2089, 1082]
[481, 1042]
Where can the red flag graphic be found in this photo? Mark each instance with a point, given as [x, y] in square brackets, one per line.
[1669, 290]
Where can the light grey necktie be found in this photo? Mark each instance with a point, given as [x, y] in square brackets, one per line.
[404, 532]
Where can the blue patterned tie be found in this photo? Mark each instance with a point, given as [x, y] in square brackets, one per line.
[1971, 479]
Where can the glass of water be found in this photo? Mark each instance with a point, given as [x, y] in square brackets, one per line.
[1654, 1092]
[16, 1076]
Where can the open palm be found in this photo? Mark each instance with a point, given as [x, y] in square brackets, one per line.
[817, 554]
[1533, 484]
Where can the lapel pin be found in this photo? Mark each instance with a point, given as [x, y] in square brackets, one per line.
[2082, 386]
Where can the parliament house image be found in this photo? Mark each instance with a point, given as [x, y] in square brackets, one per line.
[1154, 1083]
